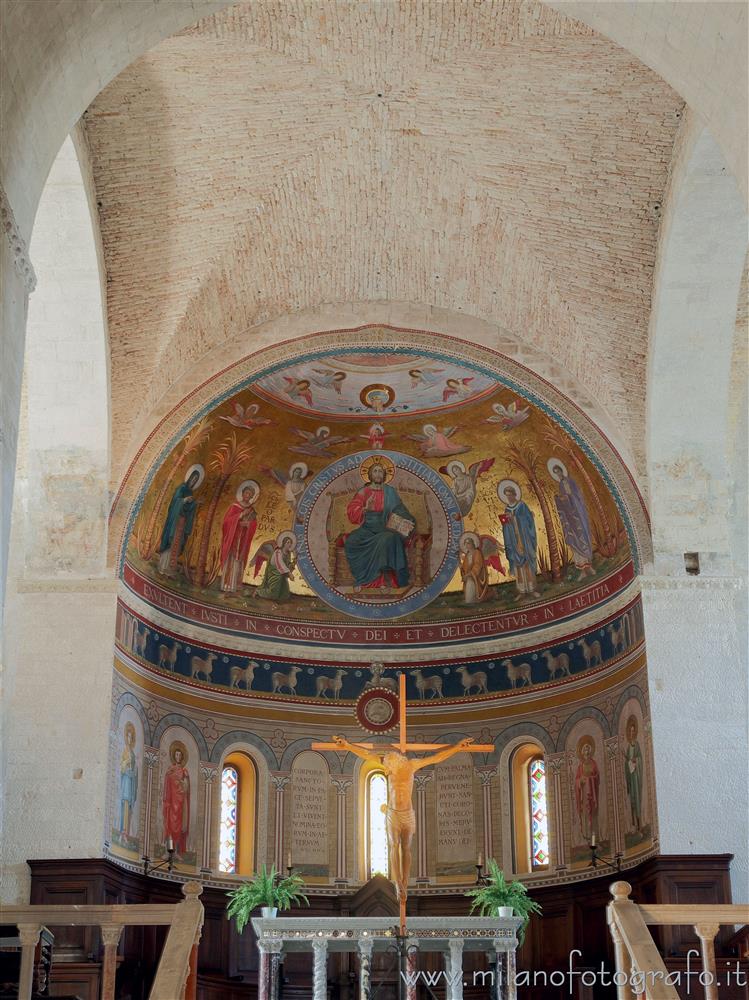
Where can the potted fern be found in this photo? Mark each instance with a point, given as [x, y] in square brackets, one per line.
[266, 890]
[499, 898]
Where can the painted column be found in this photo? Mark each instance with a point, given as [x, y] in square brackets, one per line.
[366, 946]
[151, 761]
[485, 775]
[320, 976]
[421, 781]
[29, 935]
[110, 937]
[556, 816]
[456, 969]
[280, 781]
[209, 772]
[614, 771]
[342, 785]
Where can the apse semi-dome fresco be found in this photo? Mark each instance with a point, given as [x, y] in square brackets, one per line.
[352, 487]
[332, 512]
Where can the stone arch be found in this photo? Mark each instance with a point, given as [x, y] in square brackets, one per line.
[184, 723]
[239, 738]
[129, 699]
[528, 731]
[300, 746]
[583, 713]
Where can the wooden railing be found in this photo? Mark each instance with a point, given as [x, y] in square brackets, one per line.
[637, 959]
[177, 970]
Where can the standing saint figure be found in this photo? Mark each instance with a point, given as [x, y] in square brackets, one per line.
[573, 515]
[237, 532]
[128, 779]
[473, 570]
[279, 568]
[400, 815]
[633, 768]
[519, 533]
[376, 550]
[175, 805]
[587, 787]
[180, 518]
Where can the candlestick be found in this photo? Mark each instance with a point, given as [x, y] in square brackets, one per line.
[288, 860]
[593, 840]
[169, 844]
[481, 859]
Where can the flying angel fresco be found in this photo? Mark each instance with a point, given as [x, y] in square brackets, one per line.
[246, 417]
[509, 416]
[318, 443]
[434, 443]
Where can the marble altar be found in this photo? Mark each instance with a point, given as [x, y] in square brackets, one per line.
[452, 936]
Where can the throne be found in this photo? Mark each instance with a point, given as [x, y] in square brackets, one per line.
[418, 546]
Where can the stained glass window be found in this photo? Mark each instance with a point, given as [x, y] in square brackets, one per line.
[539, 822]
[227, 857]
[377, 841]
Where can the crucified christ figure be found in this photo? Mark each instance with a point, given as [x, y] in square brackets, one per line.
[401, 820]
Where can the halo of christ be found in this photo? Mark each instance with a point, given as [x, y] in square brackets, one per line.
[378, 534]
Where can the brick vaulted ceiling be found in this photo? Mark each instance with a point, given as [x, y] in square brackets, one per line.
[496, 159]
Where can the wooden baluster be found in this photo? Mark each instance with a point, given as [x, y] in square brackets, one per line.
[706, 933]
[29, 935]
[110, 937]
[620, 891]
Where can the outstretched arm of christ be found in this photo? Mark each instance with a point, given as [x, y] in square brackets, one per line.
[343, 744]
[437, 758]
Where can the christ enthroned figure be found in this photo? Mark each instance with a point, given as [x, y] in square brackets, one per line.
[400, 815]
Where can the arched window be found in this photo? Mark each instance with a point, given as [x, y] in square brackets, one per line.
[539, 816]
[227, 852]
[375, 825]
[529, 810]
[237, 818]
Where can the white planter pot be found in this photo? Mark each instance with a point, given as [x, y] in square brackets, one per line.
[269, 911]
[506, 911]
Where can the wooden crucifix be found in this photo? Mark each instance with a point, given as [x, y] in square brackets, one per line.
[399, 770]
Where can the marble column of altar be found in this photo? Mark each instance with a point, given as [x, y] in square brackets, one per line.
[455, 971]
[320, 969]
[366, 946]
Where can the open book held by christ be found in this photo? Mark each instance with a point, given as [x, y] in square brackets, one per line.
[400, 524]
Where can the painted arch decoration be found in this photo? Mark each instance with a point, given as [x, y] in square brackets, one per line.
[385, 477]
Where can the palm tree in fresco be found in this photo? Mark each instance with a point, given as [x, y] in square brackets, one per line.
[225, 461]
[194, 438]
[607, 535]
[523, 458]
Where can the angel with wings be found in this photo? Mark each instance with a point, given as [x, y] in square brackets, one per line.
[317, 443]
[509, 416]
[460, 387]
[464, 483]
[279, 561]
[434, 443]
[424, 377]
[298, 388]
[327, 379]
[476, 553]
[293, 482]
[246, 417]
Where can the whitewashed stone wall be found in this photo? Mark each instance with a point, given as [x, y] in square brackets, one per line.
[699, 695]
